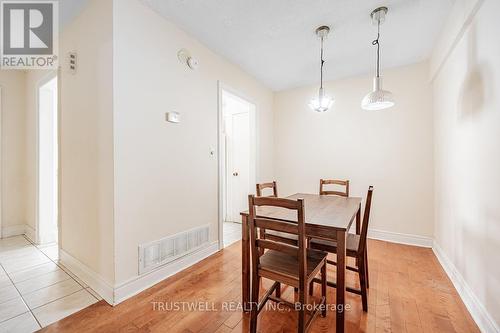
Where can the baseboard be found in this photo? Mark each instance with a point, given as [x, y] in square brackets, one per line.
[395, 237]
[13, 230]
[478, 312]
[30, 233]
[18, 230]
[134, 286]
[87, 275]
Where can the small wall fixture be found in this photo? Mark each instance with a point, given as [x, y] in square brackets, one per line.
[72, 59]
[378, 99]
[323, 102]
[185, 57]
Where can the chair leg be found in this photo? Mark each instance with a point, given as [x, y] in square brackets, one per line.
[301, 327]
[362, 283]
[255, 301]
[323, 289]
[278, 290]
[366, 270]
[311, 287]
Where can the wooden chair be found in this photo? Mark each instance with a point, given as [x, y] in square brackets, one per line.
[344, 183]
[295, 266]
[271, 235]
[263, 186]
[356, 248]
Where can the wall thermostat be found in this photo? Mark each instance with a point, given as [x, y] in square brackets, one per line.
[173, 117]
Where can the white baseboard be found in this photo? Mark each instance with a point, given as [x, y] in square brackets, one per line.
[395, 237]
[87, 275]
[134, 286]
[478, 312]
[30, 233]
[13, 230]
[18, 230]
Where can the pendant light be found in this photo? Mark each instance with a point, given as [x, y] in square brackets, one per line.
[323, 102]
[378, 99]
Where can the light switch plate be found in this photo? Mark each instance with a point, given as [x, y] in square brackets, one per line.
[173, 117]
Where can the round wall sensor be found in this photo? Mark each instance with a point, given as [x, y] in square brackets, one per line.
[185, 57]
[192, 63]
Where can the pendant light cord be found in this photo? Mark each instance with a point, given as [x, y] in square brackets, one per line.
[376, 42]
[322, 63]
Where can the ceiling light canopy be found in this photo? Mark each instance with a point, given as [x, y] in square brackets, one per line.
[322, 102]
[379, 98]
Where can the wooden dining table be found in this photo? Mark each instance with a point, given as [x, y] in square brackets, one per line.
[327, 217]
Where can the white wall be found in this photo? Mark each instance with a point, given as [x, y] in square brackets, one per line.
[32, 82]
[165, 180]
[13, 159]
[467, 157]
[47, 162]
[390, 149]
[86, 141]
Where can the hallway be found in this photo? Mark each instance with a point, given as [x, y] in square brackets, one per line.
[35, 290]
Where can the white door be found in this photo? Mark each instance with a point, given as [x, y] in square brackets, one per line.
[239, 179]
[238, 157]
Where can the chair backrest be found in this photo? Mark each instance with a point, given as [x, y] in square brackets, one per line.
[262, 186]
[344, 183]
[291, 227]
[366, 218]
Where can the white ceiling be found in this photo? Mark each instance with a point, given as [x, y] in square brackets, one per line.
[274, 40]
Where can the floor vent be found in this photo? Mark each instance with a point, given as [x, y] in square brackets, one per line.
[157, 253]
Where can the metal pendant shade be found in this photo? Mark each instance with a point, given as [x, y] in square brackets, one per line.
[379, 98]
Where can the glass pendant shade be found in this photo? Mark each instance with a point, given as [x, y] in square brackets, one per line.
[378, 99]
[321, 103]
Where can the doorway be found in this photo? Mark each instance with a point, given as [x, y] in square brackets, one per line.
[47, 187]
[237, 155]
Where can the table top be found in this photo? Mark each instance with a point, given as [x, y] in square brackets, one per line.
[320, 210]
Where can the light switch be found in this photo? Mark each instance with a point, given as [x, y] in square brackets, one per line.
[173, 117]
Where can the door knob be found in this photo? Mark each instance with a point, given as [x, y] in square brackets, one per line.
[235, 173]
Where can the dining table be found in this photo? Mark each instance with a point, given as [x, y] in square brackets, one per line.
[326, 217]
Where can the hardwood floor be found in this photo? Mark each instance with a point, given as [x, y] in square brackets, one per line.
[409, 292]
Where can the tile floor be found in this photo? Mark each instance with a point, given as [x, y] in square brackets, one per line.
[232, 233]
[35, 290]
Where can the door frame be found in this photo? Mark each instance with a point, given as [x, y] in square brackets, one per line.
[45, 79]
[1, 163]
[221, 150]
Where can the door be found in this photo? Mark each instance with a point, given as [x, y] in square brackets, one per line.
[239, 166]
[237, 123]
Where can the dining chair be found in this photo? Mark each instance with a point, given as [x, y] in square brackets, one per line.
[295, 266]
[272, 235]
[344, 183]
[355, 248]
[263, 186]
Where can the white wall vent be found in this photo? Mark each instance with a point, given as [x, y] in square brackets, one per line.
[160, 252]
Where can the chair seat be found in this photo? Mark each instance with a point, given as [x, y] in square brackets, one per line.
[331, 246]
[274, 263]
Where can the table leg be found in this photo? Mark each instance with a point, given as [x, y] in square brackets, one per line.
[245, 264]
[358, 221]
[341, 268]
